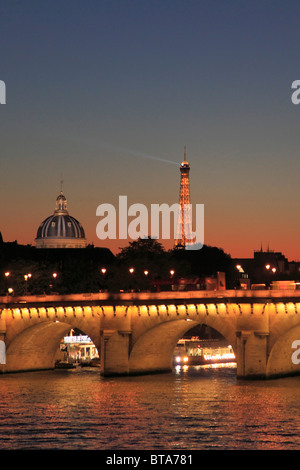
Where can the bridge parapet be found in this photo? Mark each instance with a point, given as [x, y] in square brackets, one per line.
[146, 298]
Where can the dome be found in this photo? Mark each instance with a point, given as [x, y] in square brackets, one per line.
[60, 230]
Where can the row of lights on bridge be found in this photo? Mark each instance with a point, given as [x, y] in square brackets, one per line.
[131, 270]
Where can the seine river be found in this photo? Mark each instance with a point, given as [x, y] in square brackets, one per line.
[193, 409]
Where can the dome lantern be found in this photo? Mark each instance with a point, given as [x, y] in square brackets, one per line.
[61, 204]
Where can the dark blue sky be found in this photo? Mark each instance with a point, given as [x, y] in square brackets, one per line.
[91, 86]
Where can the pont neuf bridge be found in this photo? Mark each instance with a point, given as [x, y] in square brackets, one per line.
[136, 333]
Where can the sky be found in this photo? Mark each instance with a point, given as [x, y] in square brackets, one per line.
[105, 95]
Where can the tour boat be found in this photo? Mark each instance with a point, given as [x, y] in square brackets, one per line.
[195, 351]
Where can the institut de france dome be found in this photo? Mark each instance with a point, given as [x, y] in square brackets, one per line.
[60, 230]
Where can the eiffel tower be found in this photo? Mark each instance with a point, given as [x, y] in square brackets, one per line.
[184, 224]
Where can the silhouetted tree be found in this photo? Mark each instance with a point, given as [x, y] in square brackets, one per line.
[146, 258]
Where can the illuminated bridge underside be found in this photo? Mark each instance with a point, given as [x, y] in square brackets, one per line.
[137, 333]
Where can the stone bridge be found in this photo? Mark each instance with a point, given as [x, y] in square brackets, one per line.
[136, 333]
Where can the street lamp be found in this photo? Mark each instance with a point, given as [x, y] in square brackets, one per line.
[239, 268]
[103, 281]
[146, 272]
[7, 274]
[172, 272]
[131, 270]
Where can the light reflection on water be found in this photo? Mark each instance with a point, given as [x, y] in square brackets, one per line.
[192, 408]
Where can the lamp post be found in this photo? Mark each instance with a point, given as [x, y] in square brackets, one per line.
[240, 275]
[273, 271]
[269, 270]
[54, 275]
[131, 271]
[172, 272]
[6, 274]
[26, 277]
[103, 282]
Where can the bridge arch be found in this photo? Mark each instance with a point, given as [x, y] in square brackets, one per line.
[31, 335]
[35, 347]
[154, 349]
[280, 362]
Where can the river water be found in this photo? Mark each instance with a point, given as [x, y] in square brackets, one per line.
[192, 409]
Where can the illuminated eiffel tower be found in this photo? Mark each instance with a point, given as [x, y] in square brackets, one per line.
[184, 224]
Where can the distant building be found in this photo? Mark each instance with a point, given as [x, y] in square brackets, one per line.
[266, 267]
[60, 230]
